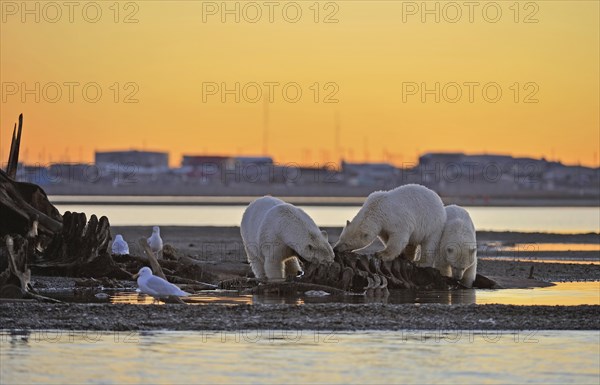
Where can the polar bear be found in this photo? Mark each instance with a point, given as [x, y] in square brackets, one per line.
[458, 247]
[407, 215]
[276, 234]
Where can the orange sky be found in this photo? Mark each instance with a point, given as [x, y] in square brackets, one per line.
[372, 57]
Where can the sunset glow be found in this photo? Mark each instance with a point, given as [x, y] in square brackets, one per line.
[365, 74]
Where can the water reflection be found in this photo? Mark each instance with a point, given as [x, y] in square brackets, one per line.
[299, 356]
[270, 299]
[566, 261]
[233, 298]
[562, 293]
[394, 297]
[201, 298]
[527, 247]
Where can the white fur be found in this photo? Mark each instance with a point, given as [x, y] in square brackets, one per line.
[275, 233]
[410, 214]
[458, 247]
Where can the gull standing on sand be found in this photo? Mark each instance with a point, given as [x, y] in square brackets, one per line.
[156, 286]
[119, 246]
[155, 242]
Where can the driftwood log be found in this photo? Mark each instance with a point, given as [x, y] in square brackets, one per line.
[15, 281]
[21, 203]
[156, 268]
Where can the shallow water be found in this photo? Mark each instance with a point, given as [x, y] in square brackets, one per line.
[299, 356]
[563, 293]
[528, 247]
[566, 260]
[543, 219]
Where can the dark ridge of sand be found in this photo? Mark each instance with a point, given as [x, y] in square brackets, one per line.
[334, 232]
[536, 237]
[225, 243]
[308, 316]
[543, 271]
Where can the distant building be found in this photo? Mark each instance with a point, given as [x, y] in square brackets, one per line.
[457, 174]
[370, 174]
[141, 161]
[34, 174]
[249, 169]
[206, 167]
[293, 174]
[197, 161]
[443, 158]
[245, 161]
[73, 172]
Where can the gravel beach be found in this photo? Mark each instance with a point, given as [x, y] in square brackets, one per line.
[299, 317]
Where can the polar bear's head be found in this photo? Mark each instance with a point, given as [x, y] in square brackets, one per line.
[459, 249]
[460, 258]
[303, 236]
[314, 247]
[364, 228]
[356, 235]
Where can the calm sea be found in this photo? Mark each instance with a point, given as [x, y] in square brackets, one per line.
[300, 357]
[126, 212]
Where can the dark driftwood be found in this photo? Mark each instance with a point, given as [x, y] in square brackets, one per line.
[21, 203]
[190, 282]
[156, 269]
[15, 280]
[15, 145]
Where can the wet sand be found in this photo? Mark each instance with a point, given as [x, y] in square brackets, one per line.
[223, 245]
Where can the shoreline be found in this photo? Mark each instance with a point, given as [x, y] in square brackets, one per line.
[347, 317]
[223, 245]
